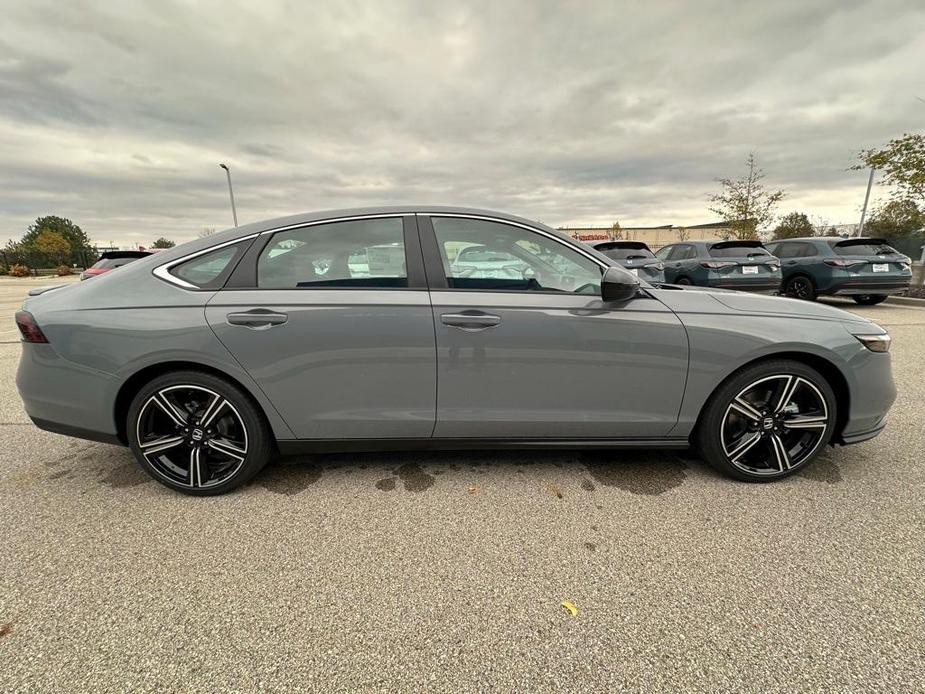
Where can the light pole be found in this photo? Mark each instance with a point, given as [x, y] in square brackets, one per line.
[234, 212]
[870, 182]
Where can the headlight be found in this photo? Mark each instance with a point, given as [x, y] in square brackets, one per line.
[876, 343]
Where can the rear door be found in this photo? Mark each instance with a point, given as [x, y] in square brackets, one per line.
[334, 322]
[540, 355]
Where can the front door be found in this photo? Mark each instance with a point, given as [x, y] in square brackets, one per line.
[526, 348]
[337, 328]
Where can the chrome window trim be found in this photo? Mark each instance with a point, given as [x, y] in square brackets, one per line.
[163, 271]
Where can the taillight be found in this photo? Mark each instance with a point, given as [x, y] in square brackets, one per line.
[774, 264]
[31, 332]
[841, 262]
[713, 264]
[659, 266]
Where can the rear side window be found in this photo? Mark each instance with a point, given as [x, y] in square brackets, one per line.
[361, 253]
[863, 249]
[736, 251]
[204, 270]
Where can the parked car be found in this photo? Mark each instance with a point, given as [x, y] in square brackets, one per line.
[110, 260]
[866, 269]
[635, 256]
[223, 351]
[744, 265]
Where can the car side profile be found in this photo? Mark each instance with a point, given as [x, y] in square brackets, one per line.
[635, 256]
[743, 265]
[363, 330]
[866, 269]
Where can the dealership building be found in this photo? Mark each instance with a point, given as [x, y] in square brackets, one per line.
[654, 237]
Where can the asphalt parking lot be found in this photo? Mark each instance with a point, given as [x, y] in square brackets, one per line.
[446, 572]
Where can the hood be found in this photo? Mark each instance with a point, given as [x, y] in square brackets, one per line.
[779, 305]
[686, 299]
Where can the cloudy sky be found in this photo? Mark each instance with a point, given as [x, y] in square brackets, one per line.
[117, 115]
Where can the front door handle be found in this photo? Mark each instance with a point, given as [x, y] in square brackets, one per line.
[257, 319]
[470, 321]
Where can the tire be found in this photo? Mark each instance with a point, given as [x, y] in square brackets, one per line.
[683, 280]
[788, 436]
[197, 433]
[869, 299]
[800, 287]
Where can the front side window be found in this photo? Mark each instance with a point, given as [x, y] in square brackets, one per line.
[360, 253]
[480, 254]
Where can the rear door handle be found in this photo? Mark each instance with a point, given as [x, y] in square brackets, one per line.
[257, 319]
[470, 321]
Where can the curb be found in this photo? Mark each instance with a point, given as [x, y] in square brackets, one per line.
[906, 301]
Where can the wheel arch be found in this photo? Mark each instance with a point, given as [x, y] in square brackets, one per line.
[137, 381]
[829, 371]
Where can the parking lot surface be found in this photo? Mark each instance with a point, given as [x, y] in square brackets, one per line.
[446, 571]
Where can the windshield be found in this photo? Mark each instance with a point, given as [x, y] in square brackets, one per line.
[863, 249]
[628, 253]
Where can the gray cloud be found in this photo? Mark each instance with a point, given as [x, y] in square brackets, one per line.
[117, 114]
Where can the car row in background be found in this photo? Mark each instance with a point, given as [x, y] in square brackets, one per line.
[866, 269]
[110, 260]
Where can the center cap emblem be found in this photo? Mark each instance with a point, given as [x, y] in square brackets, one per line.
[196, 435]
[767, 423]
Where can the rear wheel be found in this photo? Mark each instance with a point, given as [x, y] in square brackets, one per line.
[800, 287]
[767, 421]
[683, 280]
[197, 433]
[869, 299]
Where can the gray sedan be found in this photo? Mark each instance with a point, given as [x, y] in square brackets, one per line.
[360, 330]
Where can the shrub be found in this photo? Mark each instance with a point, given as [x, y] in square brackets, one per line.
[63, 270]
[19, 270]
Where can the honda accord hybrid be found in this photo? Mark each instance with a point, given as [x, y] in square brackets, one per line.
[394, 328]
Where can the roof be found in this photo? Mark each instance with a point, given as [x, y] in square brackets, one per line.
[254, 228]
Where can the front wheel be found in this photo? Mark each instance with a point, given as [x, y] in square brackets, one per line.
[767, 421]
[683, 281]
[197, 433]
[869, 299]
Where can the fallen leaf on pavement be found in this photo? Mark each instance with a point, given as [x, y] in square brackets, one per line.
[570, 606]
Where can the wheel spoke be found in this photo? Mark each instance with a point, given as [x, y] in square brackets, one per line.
[744, 446]
[217, 405]
[780, 453]
[819, 422]
[790, 386]
[162, 444]
[742, 406]
[178, 417]
[198, 470]
[225, 447]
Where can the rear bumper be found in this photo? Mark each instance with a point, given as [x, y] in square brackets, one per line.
[65, 397]
[763, 286]
[870, 286]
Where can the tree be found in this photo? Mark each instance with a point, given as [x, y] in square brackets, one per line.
[73, 234]
[54, 244]
[902, 162]
[744, 203]
[793, 225]
[899, 218]
[616, 233]
[163, 243]
[206, 231]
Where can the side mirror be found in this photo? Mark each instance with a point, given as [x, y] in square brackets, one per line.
[618, 285]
